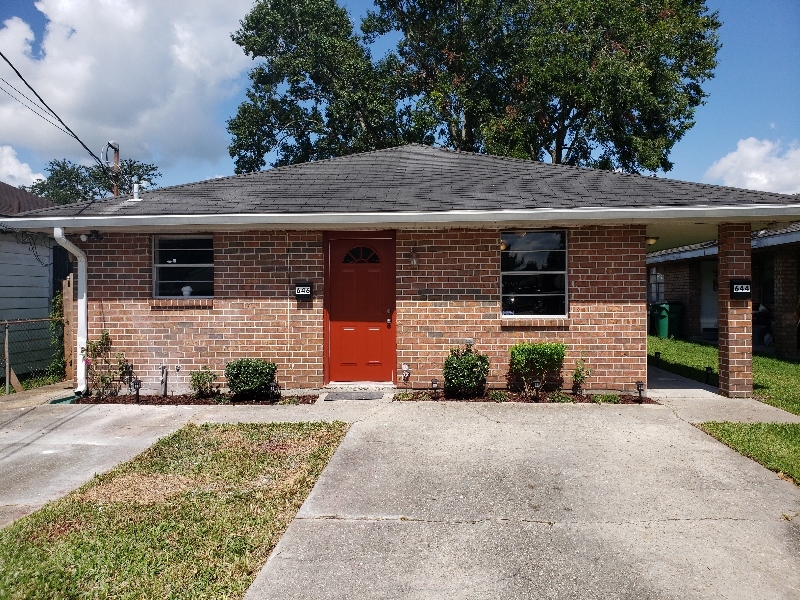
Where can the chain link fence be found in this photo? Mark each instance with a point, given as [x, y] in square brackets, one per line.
[33, 354]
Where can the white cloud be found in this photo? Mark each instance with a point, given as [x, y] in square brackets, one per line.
[13, 171]
[147, 73]
[760, 165]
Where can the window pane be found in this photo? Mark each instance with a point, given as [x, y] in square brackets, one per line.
[533, 284]
[185, 243]
[534, 240]
[534, 305]
[554, 260]
[179, 264]
[185, 257]
[175, 288]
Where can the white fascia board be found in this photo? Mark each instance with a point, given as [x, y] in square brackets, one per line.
[453, 218]
[683, 255]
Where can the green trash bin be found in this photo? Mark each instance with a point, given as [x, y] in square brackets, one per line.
[675, 319]
[659, 315]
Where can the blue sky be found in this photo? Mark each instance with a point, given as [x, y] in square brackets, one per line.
[162, 78]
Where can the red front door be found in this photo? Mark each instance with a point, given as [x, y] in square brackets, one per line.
[361, 303]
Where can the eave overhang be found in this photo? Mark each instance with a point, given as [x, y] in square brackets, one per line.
[752, 213]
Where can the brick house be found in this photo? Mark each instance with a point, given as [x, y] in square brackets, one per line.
[406, 253]
[688, 275]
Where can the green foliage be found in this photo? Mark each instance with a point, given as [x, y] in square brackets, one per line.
[498, 396]
[202, 383]
[579, 375]
[57, 369]
[605, 399]
[559, 396]
[289, 400]
[103, 372]
[403, 396]
[465, 373]
[68, 182]
[774, 445]
[251, 378]
[532, 361]
[608, 83]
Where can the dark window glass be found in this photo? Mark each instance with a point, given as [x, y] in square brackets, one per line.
[533, 267]
[184, 267]
[361, 254]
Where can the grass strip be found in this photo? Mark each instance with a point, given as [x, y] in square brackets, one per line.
[775, 381]
[194, 516]
[774, 445]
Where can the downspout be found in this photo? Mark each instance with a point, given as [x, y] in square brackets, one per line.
[83, 306]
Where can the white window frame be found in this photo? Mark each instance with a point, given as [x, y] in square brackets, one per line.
[158, 266]
[565, 273]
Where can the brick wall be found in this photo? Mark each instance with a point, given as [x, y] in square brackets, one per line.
[735, 316]
[786, 300]
[682, 284]
[451, 295]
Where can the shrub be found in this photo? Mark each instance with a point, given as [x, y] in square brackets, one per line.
[403, 396]
[103, 373]
[465, 373]
[605, 398]
[542, 361]
[251, 378]
[202, 383]
[559, 396]
[498, 396]
[579, 376]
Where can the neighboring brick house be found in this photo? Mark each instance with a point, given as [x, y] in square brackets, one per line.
[407, 252]
[688, 275]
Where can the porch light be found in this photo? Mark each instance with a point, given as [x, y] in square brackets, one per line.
[640, 389]
[434, 384]
[651, 240]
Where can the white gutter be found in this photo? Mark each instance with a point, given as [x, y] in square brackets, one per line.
[83, 306]
[707, 214]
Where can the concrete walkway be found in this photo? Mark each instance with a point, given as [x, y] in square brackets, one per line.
[461, 500]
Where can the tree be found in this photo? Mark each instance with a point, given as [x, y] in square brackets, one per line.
[68, 182]
[606, 83]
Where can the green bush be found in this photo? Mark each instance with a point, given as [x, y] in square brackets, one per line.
[251, 378]
[202, 382]
[498, 396]
[465, 373]
[559, 396]
[103, 372]
[580, 375]
[542, 361]
[605, 398]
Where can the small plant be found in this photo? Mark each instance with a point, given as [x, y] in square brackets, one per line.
[251, 378]
[605, 399]
[579, 376]
[541, 361]
[403, 396]
[202, 383]
[103, 373]
[57, 369]
[465, 373]
[289, 400]
[559, 396]
[498, 396]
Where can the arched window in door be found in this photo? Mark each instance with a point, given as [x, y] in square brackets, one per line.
[361, 254]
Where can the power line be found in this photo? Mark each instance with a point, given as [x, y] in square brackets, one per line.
[30, 108]
[72, 133]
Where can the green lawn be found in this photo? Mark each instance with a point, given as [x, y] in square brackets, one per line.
[195, 516]
[775, 381]
[774, 445]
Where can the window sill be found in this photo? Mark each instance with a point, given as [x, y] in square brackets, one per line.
[541, 322]
[180, 303]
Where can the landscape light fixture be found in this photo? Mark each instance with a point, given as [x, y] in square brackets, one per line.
[658, 358]
[640, 389]
[536, 387]
[434, 384]
[709, 370]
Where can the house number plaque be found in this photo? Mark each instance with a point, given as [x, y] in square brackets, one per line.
[740, 289]
[303, 290]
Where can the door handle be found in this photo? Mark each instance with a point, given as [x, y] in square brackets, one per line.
[388, 321]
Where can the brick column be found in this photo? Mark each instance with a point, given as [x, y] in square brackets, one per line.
[735, 316]
[785, 315]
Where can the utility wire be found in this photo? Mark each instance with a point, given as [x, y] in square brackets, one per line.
[30, 108]
[72, 133]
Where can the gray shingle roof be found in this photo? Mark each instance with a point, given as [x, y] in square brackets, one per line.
[14, 200]
[418, 179]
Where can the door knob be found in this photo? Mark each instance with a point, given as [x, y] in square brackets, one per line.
[388, 321]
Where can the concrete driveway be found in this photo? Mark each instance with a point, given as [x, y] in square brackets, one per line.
[459, 500]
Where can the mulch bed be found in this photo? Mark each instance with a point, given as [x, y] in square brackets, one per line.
[421, 395]
[183, 399]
